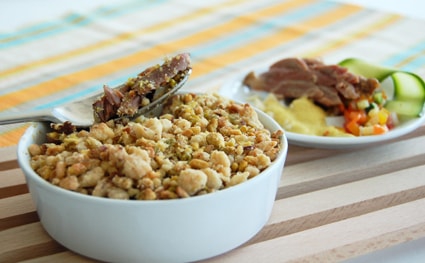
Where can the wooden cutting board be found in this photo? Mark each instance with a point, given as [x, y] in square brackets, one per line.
[331, 205]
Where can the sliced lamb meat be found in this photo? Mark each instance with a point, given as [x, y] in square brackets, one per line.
[295, 89]
[274, 78]
[291, 63]
[126, 100]
[367, 86]
[338, 77]
[330, 97]
[256, 82]
[347, 90]
[328, 85]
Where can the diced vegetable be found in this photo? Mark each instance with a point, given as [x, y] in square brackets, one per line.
[354, 119]
[376, 121]
[373, 130]
[363, 104]
[379, 97]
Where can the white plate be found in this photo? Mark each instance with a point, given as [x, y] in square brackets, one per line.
[235, 90]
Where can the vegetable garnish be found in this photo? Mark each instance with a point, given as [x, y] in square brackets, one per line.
[368, 116]
[408, 96]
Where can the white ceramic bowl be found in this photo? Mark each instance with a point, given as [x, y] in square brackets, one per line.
[180, 230]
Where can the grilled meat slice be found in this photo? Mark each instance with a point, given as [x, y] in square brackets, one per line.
[137, 92]
[328, 85]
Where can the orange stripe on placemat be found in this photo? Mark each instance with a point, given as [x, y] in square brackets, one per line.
[348, 39]
[409, 59]
[117, 39]
[63, 82]
[276, 39]
[11, 137]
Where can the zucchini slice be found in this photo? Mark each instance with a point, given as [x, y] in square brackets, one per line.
[409, 89]
[366, 69]
[404, 108]
[408, 86]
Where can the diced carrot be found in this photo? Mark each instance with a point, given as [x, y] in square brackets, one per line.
[353, 128]
[379, 129]
[363, 117]
[356, 116]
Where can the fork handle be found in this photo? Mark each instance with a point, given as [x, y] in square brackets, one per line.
[29, 116]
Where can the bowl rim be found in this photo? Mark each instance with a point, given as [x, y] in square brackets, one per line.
[30, 174]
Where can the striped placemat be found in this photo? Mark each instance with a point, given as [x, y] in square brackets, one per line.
[54, 62]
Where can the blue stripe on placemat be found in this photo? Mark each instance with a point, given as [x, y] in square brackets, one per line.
[264, 28]
[410, 52]
[69, 22]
